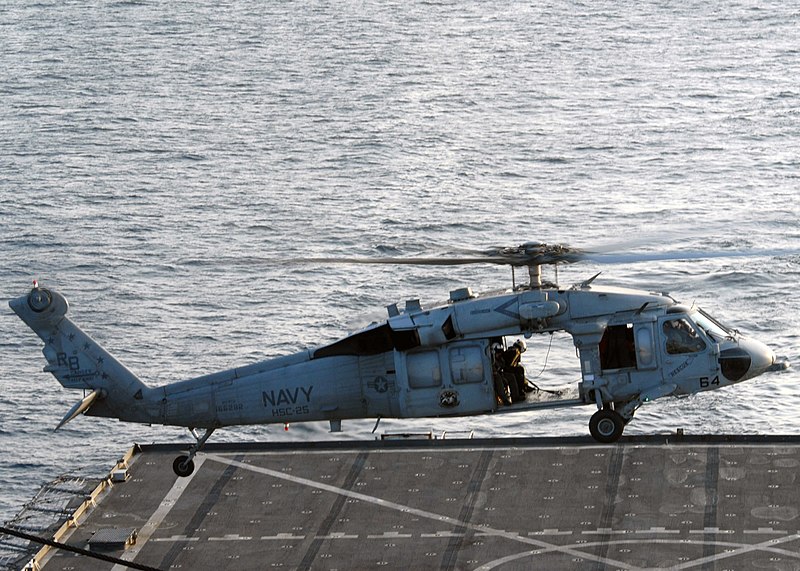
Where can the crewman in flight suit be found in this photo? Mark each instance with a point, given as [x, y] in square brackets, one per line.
[501, 384]
[515, 371]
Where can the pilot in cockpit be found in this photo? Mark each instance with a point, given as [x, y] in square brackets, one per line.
[682, 337]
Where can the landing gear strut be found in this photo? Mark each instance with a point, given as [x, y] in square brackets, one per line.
[183, 465]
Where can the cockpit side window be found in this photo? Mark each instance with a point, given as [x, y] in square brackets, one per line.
[681, 337]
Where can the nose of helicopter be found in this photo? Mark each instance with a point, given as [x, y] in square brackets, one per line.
[762, 358]
[747, 359]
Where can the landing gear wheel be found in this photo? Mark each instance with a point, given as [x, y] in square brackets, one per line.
[183, 466]
[606, 426]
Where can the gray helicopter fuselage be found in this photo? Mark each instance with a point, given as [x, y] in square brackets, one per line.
[419, 362]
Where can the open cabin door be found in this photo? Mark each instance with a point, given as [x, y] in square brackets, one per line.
[629, 356]
[450, 379]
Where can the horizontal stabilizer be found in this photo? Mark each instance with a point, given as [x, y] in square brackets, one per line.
[79, 408]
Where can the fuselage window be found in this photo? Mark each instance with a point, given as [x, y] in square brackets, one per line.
[423, 369]
[466, 365]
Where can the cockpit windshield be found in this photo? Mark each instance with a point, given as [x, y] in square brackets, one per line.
[711, 326]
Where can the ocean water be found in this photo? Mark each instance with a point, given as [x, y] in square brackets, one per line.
[160, 162]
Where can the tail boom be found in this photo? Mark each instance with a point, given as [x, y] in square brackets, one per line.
[78, 362]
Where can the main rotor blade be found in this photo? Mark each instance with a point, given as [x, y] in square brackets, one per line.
[528, 254]
[633, 258]
[536, 254]
[407, 261]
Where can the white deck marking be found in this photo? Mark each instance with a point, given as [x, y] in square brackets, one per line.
[390, 535]
[284, 536]
[418, 512]
[158, 516]
[176, 538]
[442, 534]
[231, 537]
[742, 548]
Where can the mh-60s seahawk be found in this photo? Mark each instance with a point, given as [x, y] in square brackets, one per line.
[633, 347]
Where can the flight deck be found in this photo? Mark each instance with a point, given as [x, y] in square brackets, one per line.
[674, 502]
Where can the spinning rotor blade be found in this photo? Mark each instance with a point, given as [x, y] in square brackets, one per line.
[405, 261]
[533, 254]
[528, 254]
[632, 258]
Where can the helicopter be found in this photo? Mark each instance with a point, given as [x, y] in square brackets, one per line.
[633, 346]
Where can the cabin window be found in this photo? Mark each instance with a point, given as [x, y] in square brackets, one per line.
[466, 365]
[681, 337]
[617, 349]
[423, 370]
[448, 329]
[405, 339]
[644, 345]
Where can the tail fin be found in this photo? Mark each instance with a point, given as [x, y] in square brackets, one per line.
[74, 358]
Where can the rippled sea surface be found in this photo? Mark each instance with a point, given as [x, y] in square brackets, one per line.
[158, 161]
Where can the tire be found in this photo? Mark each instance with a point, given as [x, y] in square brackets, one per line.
[183, 466]
[606, 426]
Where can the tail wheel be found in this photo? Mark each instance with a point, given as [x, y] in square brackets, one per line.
[606, 426]
[183, 466]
